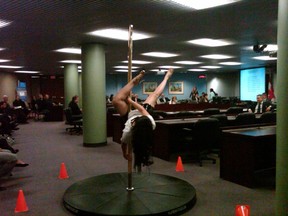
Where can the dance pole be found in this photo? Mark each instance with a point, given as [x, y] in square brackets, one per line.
[130, 48]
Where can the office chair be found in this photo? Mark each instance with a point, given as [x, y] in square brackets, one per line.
[268, 117]
[245, 118]
[222, 118]
[211, 111]
[202, 138]
[234, 110]
[73, 120]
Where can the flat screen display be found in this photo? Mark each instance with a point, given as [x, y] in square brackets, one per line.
[252, 83]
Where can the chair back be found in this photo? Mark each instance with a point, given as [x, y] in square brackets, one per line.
[68, 115]
[211, 111]
[234, 110]
[268, 117]
[207, 133]
[222, 118]
[245, 118]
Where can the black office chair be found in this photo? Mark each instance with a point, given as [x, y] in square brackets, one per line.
[73, 120]
[268, 117]
[245, 118]
[234, 110]
[211, 111]
[222, 118]
[202, 138]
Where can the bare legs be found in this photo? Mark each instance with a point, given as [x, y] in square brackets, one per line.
[119, 100]
[152, 98]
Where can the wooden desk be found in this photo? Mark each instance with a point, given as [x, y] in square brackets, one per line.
[168, 136]
[246, 152]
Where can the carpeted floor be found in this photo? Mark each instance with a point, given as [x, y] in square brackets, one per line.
[45, 145]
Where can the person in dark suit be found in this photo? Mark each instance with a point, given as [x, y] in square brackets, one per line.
[74, 106]
[261, 106]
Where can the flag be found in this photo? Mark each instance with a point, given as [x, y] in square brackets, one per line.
[271, 95]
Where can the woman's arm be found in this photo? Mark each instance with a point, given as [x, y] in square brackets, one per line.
[137, 106]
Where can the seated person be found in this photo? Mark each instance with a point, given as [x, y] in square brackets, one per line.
[162, 99]
[20, 109]
[173, 100]
[261, 106]
[73, 105]
[8, 161]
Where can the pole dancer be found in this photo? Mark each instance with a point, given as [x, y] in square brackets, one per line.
[139, 127]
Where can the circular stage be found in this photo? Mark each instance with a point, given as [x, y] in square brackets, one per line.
[153, 194]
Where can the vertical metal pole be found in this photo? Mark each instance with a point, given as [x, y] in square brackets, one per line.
[130, 48]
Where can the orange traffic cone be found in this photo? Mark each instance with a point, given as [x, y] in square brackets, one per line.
[242, 210]
[63, 172]
[179, 166]
[21, 205]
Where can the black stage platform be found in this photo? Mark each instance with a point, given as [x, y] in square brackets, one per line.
[153, 194]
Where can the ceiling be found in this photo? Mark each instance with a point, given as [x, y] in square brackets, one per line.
[39, 28]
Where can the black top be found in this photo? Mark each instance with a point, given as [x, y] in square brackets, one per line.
[74, 108]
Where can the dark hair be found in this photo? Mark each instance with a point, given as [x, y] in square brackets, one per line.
[142, 141]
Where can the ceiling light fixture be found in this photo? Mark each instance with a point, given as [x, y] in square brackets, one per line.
[187, 62]
[211, 67]
[27, 72]
[160, 54]
[4, 60]
[124, 67]
[216, 56]
[197, 70]
[230, 63]
[71, 61]
[125, 71]
[9, 66]
[169, 66]
[211, 42]
[119, 34]
[70, 50]
[138, 62]
[203, 4]
[265, 58]
[4, 23]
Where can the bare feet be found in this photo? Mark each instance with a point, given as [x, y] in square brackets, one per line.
[137, 79]
[169, 73]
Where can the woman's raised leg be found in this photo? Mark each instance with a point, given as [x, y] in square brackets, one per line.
[119, 100]
[152, 98]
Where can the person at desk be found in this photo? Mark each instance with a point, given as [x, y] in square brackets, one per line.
[212, 94]
[162, 99]
[194, 95]
[139, 127]
[261, 106]
[173, 100]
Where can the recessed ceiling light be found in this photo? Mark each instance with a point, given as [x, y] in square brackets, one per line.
[210, 42]
[2, 49]
[230, 63]
[70, 50]
[216, 56]
[197, 70]
[160, 71]
[71, 61]
[203, 4]
[169, 66]
[125, 71]
[119, 34]
[9, 66]
[265, 58]
[4, 23]
[28, 72]
[187, 62]
[138, 62]
[160, 54]
[124, 67]
[210, 67]
[4, 60]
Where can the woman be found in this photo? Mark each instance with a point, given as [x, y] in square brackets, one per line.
[139, 127]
